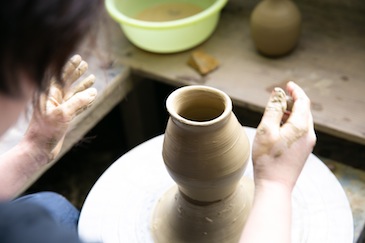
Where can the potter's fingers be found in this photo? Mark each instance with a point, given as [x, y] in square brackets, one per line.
[79, 102]
[54, 98]
[42, 103]
[275, 109]
[84, 84]
[55, 93]
[71, 65]
[289, 103]
[304, 131]
[300, 121]
[301, 107]
[269, 127]
[285, 117]
[294, 90]
[75, 74]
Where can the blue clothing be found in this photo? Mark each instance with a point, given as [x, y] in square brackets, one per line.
[59, 208]
[44, 217]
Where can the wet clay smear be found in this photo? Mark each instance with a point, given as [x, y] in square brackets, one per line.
[168, 12]
[278, 100]
[280, 95]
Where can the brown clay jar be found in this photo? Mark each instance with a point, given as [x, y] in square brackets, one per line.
[275, 27]
[205, 148]
[206, 151]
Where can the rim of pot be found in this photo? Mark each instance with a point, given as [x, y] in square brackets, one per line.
[178, 100]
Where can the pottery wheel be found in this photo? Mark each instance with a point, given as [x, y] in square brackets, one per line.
[119, 207]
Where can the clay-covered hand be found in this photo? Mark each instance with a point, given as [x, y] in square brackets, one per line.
[280, 150]
[57, 109]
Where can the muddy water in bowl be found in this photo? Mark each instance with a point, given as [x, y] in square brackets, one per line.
[172, 31]
[168, 12]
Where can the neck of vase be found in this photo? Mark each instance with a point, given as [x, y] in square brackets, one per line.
[199, 106]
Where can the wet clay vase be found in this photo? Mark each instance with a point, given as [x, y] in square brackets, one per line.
[205, 151]
[275, 27]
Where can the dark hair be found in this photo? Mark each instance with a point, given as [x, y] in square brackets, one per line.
[37, 38]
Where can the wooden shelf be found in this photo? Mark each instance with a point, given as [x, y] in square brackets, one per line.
[329, 63]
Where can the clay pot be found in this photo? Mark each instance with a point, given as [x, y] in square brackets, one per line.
[205, 151]
[205, 147]
[275, 26]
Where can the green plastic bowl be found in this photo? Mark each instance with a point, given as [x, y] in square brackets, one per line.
[168, 36]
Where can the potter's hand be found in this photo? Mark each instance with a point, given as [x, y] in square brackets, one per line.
[280, 151]
[49, 124]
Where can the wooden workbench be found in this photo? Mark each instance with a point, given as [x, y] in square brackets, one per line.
[329, 63]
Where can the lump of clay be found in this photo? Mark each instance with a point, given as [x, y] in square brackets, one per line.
[203, 62]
